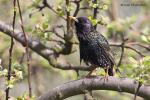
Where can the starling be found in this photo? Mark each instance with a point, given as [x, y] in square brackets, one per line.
[94, 48]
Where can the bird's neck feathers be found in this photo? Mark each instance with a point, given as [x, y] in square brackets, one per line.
[85, 32]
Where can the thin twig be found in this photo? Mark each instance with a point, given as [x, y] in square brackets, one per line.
[140, 45]
[129, 47]
[77, 7]
[121, 57]
[138, 52]
[27, 50]
[56, 33]
[95, 12]
[45, 4]
[85, 8]
[22, 58]
[68, 14]
[10, 51]
[54, 40]
[137, 90]
[122, 52]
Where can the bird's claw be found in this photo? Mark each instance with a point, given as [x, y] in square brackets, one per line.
[105, 78]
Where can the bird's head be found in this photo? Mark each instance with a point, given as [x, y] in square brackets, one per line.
[82, 23]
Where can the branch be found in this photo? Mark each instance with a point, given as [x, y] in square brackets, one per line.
[33, 44]
[26, 49]
[49, 54]
[95, 83]
[10, 51]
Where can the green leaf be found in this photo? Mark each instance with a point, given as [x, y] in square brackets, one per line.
[93, 21]
[147, 58]
[131, 20]
[35, 3]
[61, 13]
[47, 35]
[69, 8]
[144, 38]
[59, 8]
[95, 5]
[10, 86]
[10, 83]
[18, 74]
[4, 72]
[45, 25]
[146, 61]
[146, 30]
[133, 60]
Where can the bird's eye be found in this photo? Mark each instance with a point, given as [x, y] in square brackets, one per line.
[83, 21]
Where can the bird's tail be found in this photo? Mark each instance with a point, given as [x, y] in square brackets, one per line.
[110, 71]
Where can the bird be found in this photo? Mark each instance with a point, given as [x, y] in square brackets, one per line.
[94, 47]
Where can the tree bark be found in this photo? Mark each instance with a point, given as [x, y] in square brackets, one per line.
[95, 83]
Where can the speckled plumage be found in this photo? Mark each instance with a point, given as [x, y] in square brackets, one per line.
[94, 47]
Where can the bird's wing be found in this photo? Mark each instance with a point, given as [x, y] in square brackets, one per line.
[82, 53]
[83, 50]
[103, 43]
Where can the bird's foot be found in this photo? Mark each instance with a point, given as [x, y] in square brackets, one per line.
[90, 74]
[105, 78]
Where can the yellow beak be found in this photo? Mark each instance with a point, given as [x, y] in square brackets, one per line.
[73, 18]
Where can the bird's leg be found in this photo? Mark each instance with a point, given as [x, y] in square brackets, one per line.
[106, 74]
[89, 74]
